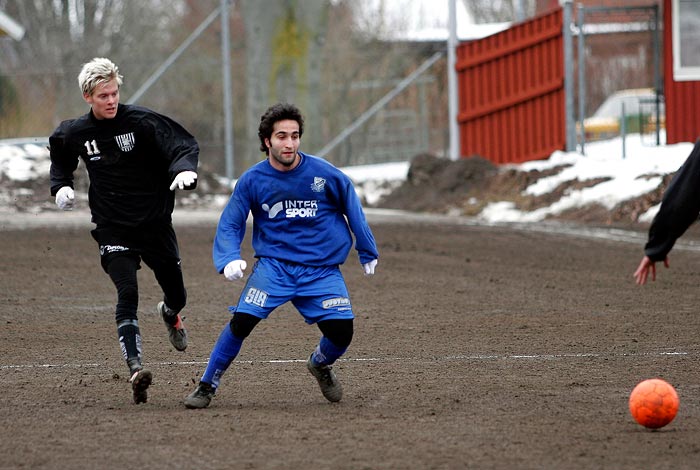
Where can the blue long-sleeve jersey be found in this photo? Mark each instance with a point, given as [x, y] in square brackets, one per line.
[302, 216]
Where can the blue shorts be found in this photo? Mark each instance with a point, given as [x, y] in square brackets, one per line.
[318, 293]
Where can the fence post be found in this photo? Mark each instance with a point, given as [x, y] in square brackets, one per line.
[569, 76]
[453, 105]
[228, 100]
[623, 130]
[581, 75]
[657, 73]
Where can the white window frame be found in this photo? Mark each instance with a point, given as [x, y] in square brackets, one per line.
[681, 73]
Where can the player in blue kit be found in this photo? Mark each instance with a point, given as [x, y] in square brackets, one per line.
[304, 210]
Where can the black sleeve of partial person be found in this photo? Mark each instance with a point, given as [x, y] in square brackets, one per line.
[680, 207]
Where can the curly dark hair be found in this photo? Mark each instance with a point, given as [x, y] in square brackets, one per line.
[275, 113]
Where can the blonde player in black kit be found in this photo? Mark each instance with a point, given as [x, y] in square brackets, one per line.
[135, 160]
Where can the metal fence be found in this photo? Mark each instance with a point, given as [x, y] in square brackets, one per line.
[35, 97]
[618, 48]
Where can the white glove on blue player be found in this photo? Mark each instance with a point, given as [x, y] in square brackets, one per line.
[369, 267]
[234, 270]
[65, 198]
[183, 180]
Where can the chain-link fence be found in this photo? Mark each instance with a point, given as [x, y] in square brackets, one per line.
[354, 72]
[620, 66]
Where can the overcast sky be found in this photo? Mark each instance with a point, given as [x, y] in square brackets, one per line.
[421, 20]
[415, 14]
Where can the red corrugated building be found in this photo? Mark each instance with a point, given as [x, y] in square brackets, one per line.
[511, 104]
[681, 90]
[681, 72]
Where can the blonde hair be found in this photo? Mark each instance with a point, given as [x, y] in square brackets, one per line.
[99, 70]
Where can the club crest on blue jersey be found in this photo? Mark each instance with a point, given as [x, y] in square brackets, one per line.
[125, 141]
[318, 185]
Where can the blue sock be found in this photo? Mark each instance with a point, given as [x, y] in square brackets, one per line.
[326, 353]
[225, 351]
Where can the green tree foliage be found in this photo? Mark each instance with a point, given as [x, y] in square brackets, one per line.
[8, 106]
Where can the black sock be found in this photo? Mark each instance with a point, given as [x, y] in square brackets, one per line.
[130, 341]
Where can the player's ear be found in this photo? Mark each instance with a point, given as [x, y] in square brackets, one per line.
[267, 142]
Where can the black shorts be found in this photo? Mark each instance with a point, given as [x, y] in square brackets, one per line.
[155, 244]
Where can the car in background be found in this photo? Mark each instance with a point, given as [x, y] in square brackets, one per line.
[640, 114]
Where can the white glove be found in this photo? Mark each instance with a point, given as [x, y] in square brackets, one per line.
[369, 267]
[183, 180]
[234, 270]
[65, 198]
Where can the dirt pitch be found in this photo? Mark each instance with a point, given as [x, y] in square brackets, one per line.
[475, 347]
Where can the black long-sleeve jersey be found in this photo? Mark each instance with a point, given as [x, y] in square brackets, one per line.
[680, 207]
[130, 159]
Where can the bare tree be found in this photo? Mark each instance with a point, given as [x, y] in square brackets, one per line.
[63, 34]
[283, 57]
[366, 56]
[316, 53]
